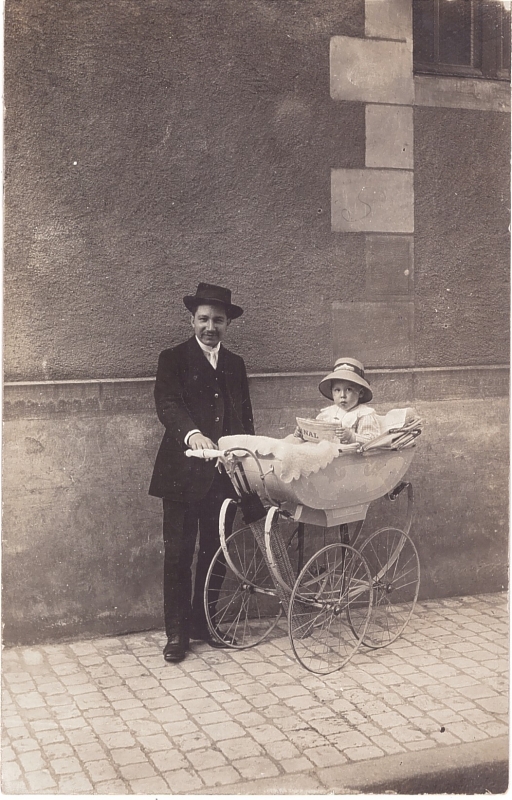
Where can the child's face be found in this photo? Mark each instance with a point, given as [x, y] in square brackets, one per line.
[346, 395]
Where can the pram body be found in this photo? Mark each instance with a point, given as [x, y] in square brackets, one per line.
[344, 595]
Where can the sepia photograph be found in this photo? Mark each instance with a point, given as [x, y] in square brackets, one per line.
[255, 473]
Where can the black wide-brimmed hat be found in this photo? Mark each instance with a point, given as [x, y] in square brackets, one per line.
[208, 294]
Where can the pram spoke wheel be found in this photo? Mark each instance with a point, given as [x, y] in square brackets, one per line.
[333, 590]
[395, 569]
[240, 598]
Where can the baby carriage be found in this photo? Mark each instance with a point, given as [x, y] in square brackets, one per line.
[359, 589]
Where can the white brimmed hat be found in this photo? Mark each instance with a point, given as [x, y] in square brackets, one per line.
[346, 369]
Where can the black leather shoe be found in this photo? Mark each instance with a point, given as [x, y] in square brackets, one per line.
[204, 635]
[176, 649]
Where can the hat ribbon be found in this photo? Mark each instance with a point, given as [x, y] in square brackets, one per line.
[350, 368]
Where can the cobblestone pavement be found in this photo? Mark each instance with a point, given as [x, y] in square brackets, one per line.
[108, 716]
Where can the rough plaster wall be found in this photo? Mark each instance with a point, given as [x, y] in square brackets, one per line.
[461, 246]
[153, 145]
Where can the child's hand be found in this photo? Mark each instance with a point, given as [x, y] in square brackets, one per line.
[345, 435]
[297, 433]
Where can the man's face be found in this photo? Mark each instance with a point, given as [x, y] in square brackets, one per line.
[210, 324]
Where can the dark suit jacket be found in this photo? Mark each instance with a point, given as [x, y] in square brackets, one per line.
[190, 393]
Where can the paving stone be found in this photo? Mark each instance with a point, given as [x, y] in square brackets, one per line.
[235, 707]
[476, 716]
[266, 733]
[494, 704]
[348, 739]
[219, 776]
[423, 744]
[212, 717]
[426, 703]
[143, 727]
[445, 738]
[324, 756]
[123, 705]
[155, 742]
[40, 781]
[64, 766]
[15, 728]
[363, 753]
[22, 688]
[445, 716]
[243, 747]
[81, 736]
[477, 692]
[228, 730]
[179, 728]
[121, 739]
[281, 750]
[139, 712]
[495, 728]
[24, 745]
[30, 700]
[191, 741]
[132, 772]
[425, 724]
[90, 752]
[386, 743]
[389, 720]
[251, 719]
[467, 732]
[302, 702]
[156, 785]
[101, 770]
[107, 725]
[143, 682]
[161, 702]
[127, 755]
[206, 759]
[301, 764]
[256, 768]
[65, 668]
[195, 693]
[170, 759]
[31, 761]
[407, 733]
[91, 700]
[8, 754]
[182, 781]
[176, 681]
[11, 771]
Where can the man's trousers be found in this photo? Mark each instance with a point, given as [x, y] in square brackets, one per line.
[180, 526]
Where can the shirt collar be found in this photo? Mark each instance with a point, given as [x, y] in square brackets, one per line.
[207, 349]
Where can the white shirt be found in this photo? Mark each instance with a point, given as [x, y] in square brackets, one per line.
[212, 354]
[362, 420]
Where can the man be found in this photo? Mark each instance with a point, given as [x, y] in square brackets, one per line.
[201, 394]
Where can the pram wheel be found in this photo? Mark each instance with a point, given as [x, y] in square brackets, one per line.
[395, 569]
[240, 599]
[334, 588]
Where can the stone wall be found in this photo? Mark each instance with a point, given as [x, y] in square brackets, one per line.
[82, 550]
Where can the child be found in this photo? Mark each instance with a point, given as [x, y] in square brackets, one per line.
[347, 386]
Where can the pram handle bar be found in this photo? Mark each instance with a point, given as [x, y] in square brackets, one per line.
[206, 453]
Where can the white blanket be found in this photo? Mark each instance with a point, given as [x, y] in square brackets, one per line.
[296, 459]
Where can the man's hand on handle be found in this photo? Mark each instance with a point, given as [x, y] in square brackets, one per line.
[199, 442]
